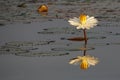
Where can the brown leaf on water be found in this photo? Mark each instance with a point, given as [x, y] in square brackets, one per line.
[76, 39]
[23, 5]
[110, 10]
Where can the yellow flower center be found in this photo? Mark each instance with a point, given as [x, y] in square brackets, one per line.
[84, 64]
[83, 18]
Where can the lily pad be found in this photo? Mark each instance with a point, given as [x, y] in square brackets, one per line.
[72, 49]
[77, 39]
[42, 54]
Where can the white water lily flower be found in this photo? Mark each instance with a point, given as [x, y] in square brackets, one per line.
[84, 61]
[83, 22]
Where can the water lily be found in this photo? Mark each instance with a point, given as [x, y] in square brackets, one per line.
[83, 22]
[84, 61]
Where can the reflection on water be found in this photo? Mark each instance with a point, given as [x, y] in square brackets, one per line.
[85, 61]
[59, 46]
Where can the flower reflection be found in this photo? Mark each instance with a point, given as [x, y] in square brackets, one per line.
[84, 61]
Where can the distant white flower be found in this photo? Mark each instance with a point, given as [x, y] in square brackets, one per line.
[83, 22]
[84, 61]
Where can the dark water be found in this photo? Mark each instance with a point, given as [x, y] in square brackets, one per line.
[41, 51]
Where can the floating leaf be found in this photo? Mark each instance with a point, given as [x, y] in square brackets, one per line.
[38, 54]
[72, 49]
[23, 5]
[2, 24]
[77, 39]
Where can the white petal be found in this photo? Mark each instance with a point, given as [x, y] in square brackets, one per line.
[90, 23]
[78, 27]
[91, 20]
[75, 61]
[93, 61]
[81, 26]
[74, 21]
[88, 17]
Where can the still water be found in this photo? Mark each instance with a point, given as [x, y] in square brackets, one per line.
[41, 51]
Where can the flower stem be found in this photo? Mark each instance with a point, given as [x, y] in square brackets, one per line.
[85, 49]
[84, 52]
[85, 36]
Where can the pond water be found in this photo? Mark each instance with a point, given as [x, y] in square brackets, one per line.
[41, 51]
